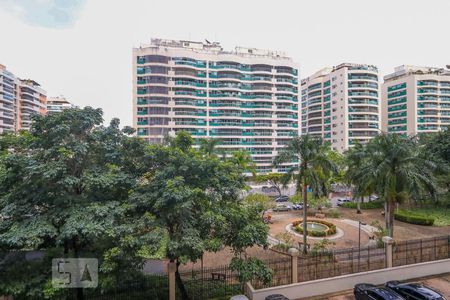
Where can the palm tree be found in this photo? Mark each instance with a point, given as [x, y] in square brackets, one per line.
[314, 168]
[209, 146]
[395, 168]
[244, 160]
[355, 158]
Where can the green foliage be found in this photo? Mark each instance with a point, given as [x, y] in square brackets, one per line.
[440, 215]
[209, 146]
[286, 241]
[333, 213]
[413, 218]
[364, 205]
[379, 233]
[322, 247]
[315, 233]
[276, 180]
[260, 200]
[251, 268]
[395, 168]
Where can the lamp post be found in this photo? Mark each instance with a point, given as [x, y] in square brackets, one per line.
[359, 241]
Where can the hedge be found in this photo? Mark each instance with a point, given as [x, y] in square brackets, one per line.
[331, 228]
[364, 205]
[413, 218]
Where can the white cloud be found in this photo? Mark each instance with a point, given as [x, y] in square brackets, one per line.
[46, 13]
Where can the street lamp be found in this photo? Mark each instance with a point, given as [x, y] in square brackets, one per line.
[359, 241]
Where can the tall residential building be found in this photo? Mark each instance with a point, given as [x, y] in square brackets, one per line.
[247, 97]
[19, 99]
[416, 100]
[58, 104]
[8, 99]
[341, 104]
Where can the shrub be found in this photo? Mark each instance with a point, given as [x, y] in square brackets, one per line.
[413, 218]
[333, 213]
[331, 228]
[364, 205]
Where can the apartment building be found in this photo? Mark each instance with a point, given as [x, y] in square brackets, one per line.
[342, 104]
[58, 104]
[416, 100]
[247, 98]
[19, 99]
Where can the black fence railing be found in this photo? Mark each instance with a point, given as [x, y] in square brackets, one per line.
[338, 262]
[281, 268]
[417, 251]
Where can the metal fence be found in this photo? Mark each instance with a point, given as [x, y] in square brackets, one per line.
[281, 268]
[417, 251]
[338, 262]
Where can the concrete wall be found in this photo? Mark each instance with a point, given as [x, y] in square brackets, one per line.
[346, 282]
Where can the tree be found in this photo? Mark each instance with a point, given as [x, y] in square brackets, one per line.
[209, 146]
[260, 200]
[275, 180]
[194, 199]
[395, 168]
[64, 186]
[437, 146]
[314, 169]
[355, 159]
[244, 161]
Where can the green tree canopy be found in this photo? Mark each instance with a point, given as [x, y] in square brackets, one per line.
[314, 170]
[395, 169]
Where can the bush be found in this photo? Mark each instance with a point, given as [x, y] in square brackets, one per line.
[332, 213]
[364, 205]
[413, 218]
[331, 228]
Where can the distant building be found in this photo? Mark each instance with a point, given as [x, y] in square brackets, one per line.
[248, 97]
[416, 100]
[19, 99]
[342, 104]
[58, 104]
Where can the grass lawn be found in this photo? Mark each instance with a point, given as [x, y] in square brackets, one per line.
[441, 215]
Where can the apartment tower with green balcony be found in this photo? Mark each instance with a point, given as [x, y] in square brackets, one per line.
[247, 98]
[341, 104]
[416, 100]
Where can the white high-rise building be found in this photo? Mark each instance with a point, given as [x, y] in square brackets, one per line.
[341, 104]
[19, 99]
[416, 100]
[248, 97]
[58, 104]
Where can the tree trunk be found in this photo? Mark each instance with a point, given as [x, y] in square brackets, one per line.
[79, 291]
[358, 205]
[180, 284]
[389, 216]
[305, 216]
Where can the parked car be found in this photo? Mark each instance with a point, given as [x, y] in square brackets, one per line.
[298, 206]
[341, 201]
[282, 198]
[301, 203]
[373, 197]
[282, 207]
[276, 297]
[414, 291]
[367, 291]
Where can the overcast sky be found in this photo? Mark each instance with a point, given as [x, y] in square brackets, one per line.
[82, 48]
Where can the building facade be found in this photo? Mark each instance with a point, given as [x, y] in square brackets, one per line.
[247, 98]
[58, 104]
[19, 99]
[342, 104]
[416, 100]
